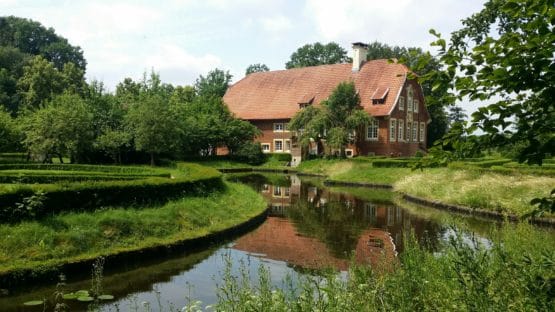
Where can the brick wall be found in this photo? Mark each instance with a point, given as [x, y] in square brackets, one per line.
[384, 145]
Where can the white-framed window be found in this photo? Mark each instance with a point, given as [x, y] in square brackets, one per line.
[409, 99]
[415, 131]
[392, 129]
[287, 145]
[372, 130]
[402, 103]
[278, 146]
[401, 132]
[277, 191]
[265, 147]
[279, 127]
[349, 152]
[415, 105]
[422, 131]
[352, 136]
[407, 136]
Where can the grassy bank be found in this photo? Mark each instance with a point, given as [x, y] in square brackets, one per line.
[73, 237]
[514, 274]
[477, 183]
[498, 192]
[347, 170]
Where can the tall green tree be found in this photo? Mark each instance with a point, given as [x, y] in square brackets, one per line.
[208, 124]
[456, 114]
[215, 83]
[41, 81]
[256, 68]
[422, 63]
[504, 55]
[32, 38]
[9, 133]
[341, 117]
[12, 61]
[317, 54]
[61, 127]
[150, 120]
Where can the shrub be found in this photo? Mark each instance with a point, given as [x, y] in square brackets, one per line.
[250, 153]
[286, 157]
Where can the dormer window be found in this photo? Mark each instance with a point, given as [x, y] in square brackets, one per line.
[305, 101]
[402, 103]
[378, 97]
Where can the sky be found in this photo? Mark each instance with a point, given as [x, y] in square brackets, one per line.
[182, 39]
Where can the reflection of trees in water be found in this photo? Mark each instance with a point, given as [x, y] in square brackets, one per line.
[328, 220]
[339, 218]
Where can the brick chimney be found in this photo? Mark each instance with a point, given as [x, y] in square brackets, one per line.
[359, 55]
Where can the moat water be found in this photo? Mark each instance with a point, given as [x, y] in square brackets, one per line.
[309, 227]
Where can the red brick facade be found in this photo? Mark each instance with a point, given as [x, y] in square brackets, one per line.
[275, 131]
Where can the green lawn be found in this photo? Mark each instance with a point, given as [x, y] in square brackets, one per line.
[477, 189]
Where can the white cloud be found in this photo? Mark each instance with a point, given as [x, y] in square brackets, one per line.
[173, 56]
[276, 24]
[396, 22]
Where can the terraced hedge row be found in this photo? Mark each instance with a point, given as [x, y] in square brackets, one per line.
[27, 201]
[88, 168]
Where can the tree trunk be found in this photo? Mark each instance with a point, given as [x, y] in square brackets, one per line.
[60, 158]
[152, 159]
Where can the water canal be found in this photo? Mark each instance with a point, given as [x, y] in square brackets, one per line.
[309, 227]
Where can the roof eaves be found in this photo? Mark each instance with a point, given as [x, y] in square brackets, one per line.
[398, 94]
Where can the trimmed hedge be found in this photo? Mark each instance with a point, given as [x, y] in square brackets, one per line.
[89, 168]
[490, 163]
[392, 163]
[88, 196]
[279, 156]
[10, 158]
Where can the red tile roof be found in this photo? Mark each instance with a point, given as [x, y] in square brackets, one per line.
[277, 94]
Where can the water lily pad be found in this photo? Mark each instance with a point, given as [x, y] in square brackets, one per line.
[34, 303]
[70, 296]
[85, 299]
[106, 297]
[82, 293]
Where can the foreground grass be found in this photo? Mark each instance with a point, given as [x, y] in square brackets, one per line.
[73, 237]
[499, 192]
[514, 274]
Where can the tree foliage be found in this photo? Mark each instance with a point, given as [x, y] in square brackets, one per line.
[256, 68]
[32, 38]
[317, 54]
[63, 126]
[9, 133]
[504, 55]
[215, 83]
[340, 117]
[36, 64]
[41, 81]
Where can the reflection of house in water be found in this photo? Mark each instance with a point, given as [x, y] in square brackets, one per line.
[311, 227]
[278, 239]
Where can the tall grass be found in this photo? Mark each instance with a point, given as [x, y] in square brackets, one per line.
[515, 274]
[504, 193]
